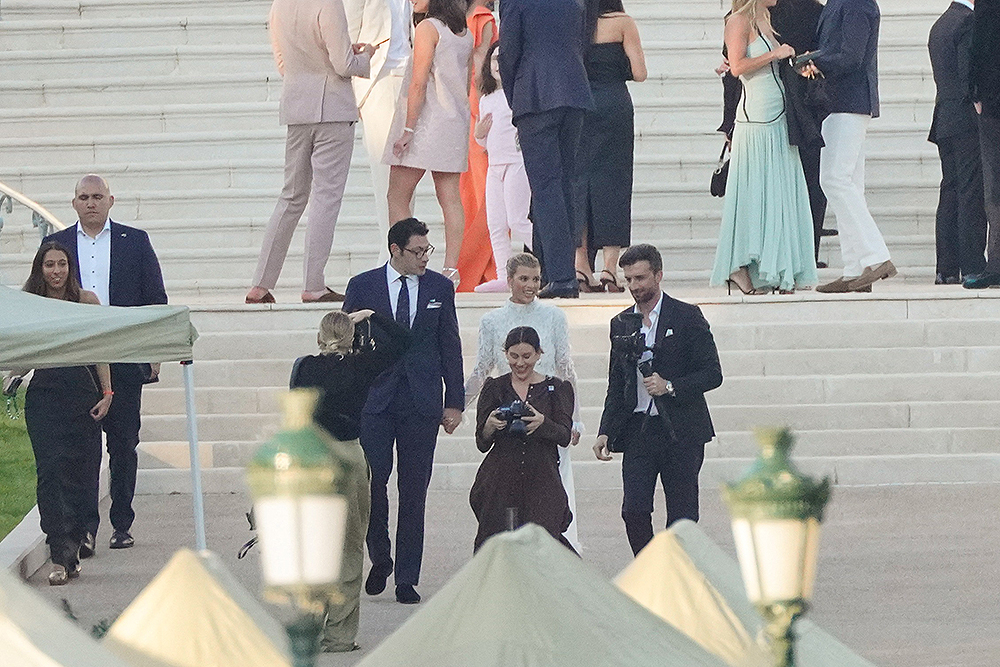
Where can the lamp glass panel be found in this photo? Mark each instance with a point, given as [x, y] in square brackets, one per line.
[811, 558]
[780, 551]
[747, 554]
[301, 538]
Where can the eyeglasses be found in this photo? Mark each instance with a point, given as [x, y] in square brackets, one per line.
[420, 253]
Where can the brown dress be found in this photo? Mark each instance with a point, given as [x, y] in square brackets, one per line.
[522, 472]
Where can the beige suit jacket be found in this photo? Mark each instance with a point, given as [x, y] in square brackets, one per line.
[312, 48]
[370, 22]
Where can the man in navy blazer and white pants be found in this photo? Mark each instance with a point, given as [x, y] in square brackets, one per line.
[117, 263]
[848, 58]
[407, 403]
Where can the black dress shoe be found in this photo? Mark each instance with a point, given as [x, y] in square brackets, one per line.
[406, 594]
[828, 232]
[375, 583]
[942, 279]
[87, 546]
[565, 289]
[121, 540]
[982, 281]
[822, 265]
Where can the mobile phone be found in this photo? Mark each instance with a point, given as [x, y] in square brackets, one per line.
[807, 57]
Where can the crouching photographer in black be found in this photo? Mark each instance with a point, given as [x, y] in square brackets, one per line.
[663, 360]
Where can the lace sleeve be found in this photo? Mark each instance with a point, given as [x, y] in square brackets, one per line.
[564, 361]
[485, 360]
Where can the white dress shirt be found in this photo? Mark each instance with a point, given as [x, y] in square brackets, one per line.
[94, 256]
[399, 36]
[412, 283]
[967, 3]
[643, 400]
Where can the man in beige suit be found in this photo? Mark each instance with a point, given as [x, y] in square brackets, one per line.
[316, 59]
[374, 22]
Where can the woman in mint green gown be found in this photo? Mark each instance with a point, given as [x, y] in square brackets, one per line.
[766, 237]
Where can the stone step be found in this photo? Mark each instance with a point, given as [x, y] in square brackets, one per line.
[104, 9]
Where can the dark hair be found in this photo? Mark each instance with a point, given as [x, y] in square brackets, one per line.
[520, 335]
[35, 284]
[609, 7]
[449, 12]
[640, 253]
[401, 232]
[487, 82]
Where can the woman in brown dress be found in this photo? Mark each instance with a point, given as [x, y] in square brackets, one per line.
[518, 481]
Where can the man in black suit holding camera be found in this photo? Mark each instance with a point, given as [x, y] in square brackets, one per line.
[655, 412]
[984, 89]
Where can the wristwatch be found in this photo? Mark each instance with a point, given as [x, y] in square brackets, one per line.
[670, 388]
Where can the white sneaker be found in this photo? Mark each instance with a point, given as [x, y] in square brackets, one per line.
[492, 287]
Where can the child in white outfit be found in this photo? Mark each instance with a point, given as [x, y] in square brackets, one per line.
[508, 196]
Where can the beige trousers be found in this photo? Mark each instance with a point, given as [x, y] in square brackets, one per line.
[317, 160]
[376, 118]
[342, 617]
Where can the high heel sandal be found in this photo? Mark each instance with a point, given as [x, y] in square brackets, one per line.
[611, 283]
[752, 291]
[585, 285]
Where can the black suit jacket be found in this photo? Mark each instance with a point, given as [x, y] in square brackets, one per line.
[848, 39]
[950, 47]
[434, 351]
[984, 70]
[685, 354]
[135, 278]
[542, 45]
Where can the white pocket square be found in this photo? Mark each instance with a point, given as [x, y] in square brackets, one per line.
[668, 332]
[433, 304]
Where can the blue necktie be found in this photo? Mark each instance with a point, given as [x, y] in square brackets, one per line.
[403, 304]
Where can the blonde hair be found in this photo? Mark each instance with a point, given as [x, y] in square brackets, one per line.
[525, 259]
[751, 9]
[336, 333]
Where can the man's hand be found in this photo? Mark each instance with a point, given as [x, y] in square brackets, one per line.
[100, 411]
[601, 448]
[655, 385]
[451, 419]
[363, 48]
[154, 371]
[360, 315]
[979, 107]
[574, 438]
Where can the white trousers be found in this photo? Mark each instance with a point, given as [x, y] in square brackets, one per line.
[842, 177]
[376, 119]
[508, 198]
[317, 160]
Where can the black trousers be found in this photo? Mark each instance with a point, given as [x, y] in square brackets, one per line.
[989, 144]
[649, 454]
[415, 437]
[809, 156]
[121, 428]
[960, 225]
[66, 442]
[549, 142]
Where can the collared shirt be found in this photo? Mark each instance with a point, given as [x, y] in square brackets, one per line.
[399, 35]
[643, 400]
[412, 283]
[94, 256]
[967, 3]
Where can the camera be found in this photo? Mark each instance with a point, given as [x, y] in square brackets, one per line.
[632, 343]
[514, 415]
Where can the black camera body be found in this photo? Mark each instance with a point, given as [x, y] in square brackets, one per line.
[514, 415]
[632, 343]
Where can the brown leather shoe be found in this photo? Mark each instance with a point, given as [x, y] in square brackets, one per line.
[871, 275]
[838, 286]
[326, 298]
[267, 298]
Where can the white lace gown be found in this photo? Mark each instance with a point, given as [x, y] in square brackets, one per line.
[553, 333]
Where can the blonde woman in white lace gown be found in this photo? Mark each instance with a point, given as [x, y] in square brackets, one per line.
[524, 309]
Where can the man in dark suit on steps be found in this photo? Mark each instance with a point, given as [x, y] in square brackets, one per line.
[984, 89]
[685, 365]
[960, 230]
[542, 44]
[118, 264]
[406, 404]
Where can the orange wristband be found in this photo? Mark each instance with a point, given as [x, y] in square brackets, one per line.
[108, 392]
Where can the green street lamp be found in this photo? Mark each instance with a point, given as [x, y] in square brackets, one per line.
[776, 513]
[299, 481]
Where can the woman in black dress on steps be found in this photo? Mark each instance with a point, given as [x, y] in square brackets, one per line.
[602, 189]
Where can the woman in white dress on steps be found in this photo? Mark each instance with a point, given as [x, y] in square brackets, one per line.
[524, 309]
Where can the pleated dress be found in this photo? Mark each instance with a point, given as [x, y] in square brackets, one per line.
[766, 219]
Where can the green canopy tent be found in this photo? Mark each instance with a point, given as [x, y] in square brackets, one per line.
[36, 332]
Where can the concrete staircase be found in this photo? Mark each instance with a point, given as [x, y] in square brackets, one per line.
[176, 102]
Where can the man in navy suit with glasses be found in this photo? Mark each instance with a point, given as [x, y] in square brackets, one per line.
[407, 404]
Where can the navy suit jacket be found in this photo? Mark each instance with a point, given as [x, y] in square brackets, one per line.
[848, 38]
[135, 278]
[542, 46]
[984, 75]
[950, 47]
[434, 352]
[685, 354]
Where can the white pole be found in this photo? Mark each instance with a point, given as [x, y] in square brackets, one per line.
[192, 423]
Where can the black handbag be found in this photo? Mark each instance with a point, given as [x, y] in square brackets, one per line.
[721, 173]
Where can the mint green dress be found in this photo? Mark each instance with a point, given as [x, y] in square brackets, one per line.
[766, 219]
